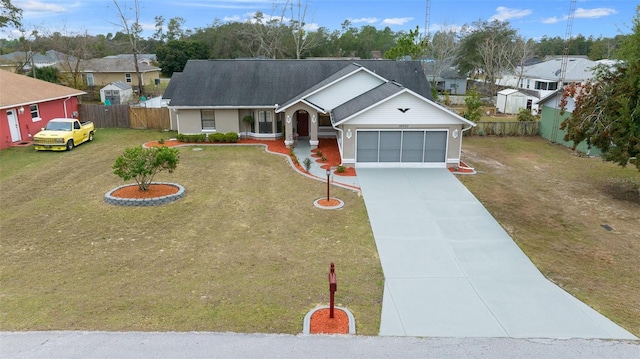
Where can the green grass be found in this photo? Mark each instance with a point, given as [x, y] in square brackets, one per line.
[553, 204]
[244, 251]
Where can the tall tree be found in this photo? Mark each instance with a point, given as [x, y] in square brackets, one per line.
[301, 38]
[10, 15]
[173, 56]
[133, 31]
[408, 45]
[488, 51]
[607, 110]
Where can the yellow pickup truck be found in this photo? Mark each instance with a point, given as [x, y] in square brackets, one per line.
[63, 134]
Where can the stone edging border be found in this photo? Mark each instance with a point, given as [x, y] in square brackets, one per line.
[306, 325]
[144, 202]
[337, 206]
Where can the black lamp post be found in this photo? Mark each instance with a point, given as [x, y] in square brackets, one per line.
[328, 174]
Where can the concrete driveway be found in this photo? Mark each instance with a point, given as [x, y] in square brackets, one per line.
[452, 271]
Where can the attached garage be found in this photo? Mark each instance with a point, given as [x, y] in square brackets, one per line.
[391, 126]
[401, 148]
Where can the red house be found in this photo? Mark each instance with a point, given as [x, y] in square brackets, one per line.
[27, 105]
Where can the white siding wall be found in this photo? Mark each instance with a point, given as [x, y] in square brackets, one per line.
[346, 89]
[419, 113]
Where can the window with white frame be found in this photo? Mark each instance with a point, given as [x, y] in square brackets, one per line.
[35, 114]
[208, 119]
[265, 121]
[127, 78]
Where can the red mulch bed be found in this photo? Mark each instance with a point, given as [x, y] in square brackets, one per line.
[155, 190]
[330, 203]
[321, 323]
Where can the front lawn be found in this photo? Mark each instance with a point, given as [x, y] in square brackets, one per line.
[244, 251]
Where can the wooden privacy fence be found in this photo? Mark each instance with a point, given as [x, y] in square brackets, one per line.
[521, 128]
[123, 116]
[105, 116]
[149, 118]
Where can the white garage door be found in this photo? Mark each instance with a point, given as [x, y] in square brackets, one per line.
[401, 148]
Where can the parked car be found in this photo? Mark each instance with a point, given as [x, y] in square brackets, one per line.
[63, 134]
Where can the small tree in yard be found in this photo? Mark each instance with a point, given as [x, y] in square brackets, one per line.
[474, 106]
[142, 164]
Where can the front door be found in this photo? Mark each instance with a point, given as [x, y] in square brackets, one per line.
[303, 124]
[14, 126]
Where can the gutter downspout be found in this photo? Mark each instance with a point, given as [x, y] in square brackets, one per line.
[64, 105]
[341, 141]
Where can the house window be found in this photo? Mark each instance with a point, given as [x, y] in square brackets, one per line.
[127, 78]
[90, 81]
[324, 120]
[208, 119]
[265, 121]
[35, 114]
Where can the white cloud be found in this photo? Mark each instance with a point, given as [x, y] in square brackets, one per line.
[594, 13]
[505, 13]
[552, 20]
[39, 6]
[397, 21]
[583, 14]
[235, 18]
[368, 20]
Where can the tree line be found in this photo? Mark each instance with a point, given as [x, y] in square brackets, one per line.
[283, 35]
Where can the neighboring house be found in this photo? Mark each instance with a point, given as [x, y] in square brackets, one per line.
[12, 61]
[380, 112]
[543, 77]
[142, 58]
[101, 72]
[449, 80]
[27, 105]
[551, 119]
[510, 101]
[116, 93]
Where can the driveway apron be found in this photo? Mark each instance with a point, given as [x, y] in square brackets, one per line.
[451, 270]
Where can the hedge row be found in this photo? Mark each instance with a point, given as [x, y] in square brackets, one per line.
[229, 137]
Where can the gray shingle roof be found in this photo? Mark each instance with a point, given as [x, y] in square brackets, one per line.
[114, 65]
[578, 69]
[364, 101]
[238, 83]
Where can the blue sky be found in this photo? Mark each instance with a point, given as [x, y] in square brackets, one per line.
[533, 19]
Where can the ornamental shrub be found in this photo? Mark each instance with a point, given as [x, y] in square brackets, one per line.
[216, 137]
[231, 137]
[142, 164]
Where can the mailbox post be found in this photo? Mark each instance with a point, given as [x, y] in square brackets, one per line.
[328, 175]
[333, 287]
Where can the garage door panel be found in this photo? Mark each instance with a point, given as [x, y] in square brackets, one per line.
[390, 145]
[435, 149]
[413, 146]
[367, 149]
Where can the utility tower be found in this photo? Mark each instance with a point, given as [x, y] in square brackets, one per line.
[426, 21]
[563, 67]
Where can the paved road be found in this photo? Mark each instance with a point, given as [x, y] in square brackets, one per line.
[452, 271]
[94, 345]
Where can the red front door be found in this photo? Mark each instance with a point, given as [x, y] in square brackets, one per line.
[303, 124]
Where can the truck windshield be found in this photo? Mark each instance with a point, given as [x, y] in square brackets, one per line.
[58, 126]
